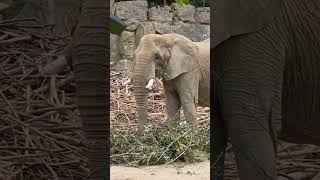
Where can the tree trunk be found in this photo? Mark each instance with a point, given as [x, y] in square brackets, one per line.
[90, 54]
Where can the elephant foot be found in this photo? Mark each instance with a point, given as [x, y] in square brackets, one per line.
[193, 126]
[172, 124]
[140, 130]
[195, 129]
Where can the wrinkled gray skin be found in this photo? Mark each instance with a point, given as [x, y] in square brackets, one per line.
[91, 70]
[184, 66]
[266, 81]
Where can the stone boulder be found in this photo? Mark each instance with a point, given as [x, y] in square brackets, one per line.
[127, 45]
[195, 32]
[131, 10]
[184, 13]
[114, 48]
[202, 15]
[132, 24]
[161, 14]
[143, 29]
[111, 7]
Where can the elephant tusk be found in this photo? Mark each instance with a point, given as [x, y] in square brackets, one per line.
[126, 82]
[150, 83]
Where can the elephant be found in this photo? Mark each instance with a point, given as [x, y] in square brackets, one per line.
[266, 84]
[184, 68]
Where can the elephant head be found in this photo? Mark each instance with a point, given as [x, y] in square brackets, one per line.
[165, 56]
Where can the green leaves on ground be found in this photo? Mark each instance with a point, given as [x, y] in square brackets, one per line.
[158, 146]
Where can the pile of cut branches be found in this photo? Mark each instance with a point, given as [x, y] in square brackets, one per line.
[40, 128]
[159, 145]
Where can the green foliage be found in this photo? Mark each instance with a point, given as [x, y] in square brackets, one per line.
[159, 146]
[182, 2]
[116, 25]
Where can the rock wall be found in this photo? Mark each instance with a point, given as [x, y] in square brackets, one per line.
[187, 20]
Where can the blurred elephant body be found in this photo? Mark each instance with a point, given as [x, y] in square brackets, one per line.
[91, 70]
[267, 80]
[184, 67]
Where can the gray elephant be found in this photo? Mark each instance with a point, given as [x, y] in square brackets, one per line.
[267, 81]
[183, 65]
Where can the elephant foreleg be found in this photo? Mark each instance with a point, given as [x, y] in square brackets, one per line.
[173, 105]
[189, 107]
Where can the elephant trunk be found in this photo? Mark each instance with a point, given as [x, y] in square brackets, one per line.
[91, 69]
[141, 97]
[140, 80]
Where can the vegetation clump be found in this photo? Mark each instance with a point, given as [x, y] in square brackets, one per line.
[159, 145]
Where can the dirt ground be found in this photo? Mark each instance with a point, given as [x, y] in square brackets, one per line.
[196, 171]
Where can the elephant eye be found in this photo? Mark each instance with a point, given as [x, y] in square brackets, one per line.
[157, 56]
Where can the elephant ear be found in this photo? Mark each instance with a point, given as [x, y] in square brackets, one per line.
[235, 17]
[183, 59]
